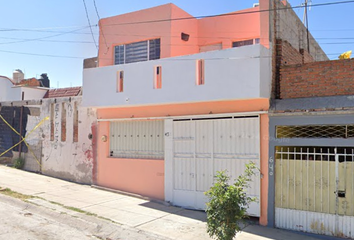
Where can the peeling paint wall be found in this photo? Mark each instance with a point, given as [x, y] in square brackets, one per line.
[34, 155]
[60, 147]
[70, 157]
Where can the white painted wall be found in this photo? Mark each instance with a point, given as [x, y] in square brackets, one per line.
[33, 93]
[236, 73]
[9, 92]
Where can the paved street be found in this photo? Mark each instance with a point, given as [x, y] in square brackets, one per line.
[20, 220]
[129, 218]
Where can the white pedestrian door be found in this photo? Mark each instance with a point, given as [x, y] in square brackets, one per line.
[203, 147]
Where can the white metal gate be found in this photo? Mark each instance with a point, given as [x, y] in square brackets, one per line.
[315, 190]
[202, 147]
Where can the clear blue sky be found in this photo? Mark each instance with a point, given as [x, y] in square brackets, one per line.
[333, 26]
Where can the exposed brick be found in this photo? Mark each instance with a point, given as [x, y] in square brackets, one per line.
[319, 79]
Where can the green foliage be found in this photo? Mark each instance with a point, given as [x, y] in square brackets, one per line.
[19, 163]
[227, 204]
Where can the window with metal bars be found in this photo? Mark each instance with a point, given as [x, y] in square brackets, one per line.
[137, 139]
[137, 51]
[315, 131]
[245, 42]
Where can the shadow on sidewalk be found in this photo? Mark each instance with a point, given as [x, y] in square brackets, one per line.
[182, 212]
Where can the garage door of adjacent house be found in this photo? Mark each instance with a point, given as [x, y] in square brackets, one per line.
[201, 147]
[314, 189]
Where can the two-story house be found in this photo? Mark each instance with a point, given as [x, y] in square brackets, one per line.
[179, 98]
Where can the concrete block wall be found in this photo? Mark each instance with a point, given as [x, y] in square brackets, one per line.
[317, 79]
[291, 29]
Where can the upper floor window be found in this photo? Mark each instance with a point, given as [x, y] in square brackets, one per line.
[245, 42]
[137, 51]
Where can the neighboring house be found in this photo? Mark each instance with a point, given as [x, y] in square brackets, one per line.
[312, 148]
[60, 146]
[311, 135]
[18, 88]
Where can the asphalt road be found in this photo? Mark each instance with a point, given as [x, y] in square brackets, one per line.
[42, 220]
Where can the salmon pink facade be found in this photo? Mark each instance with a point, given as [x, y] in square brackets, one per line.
[167, 22]
[179, 98]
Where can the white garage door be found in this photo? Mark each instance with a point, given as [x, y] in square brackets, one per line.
[202, 147]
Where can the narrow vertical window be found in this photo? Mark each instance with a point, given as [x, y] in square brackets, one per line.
[63, 123]
[52, 122]
[158, 77]
[200, 72]
[120, 81]
[76, 124]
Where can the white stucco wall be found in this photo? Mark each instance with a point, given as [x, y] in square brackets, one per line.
[9, 92]
[236, 73]
[33, 93]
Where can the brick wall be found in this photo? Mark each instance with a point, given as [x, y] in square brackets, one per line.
[317, 79]
[286, 54]
[289, 55]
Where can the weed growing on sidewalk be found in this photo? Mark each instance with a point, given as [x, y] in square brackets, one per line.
[228, 204]
[19, 163]
[9, 192]
[25, 198]
[81, 211]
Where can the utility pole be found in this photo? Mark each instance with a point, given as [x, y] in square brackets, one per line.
[306, 23]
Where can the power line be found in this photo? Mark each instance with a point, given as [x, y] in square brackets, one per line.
[231, 14]
[164, 59]
[41, 55]
[96, 25]
[101, 29]
[199, 17]
[88, 19]
[41, 38]
[169, 44]
[40, 29]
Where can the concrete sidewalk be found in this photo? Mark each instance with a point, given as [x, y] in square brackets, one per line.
[166, 221]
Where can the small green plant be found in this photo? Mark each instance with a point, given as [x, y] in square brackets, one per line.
[19, 163]
[227, 205]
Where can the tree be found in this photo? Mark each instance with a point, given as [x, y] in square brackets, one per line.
[227, 204]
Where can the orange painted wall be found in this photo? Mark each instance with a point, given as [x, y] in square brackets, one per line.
[146, 177]
[139, 176]
[215, 107]
[189, 26]
[263, 220]
[117, 31]
[227, 29]
[144, 24]
[264, 5]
